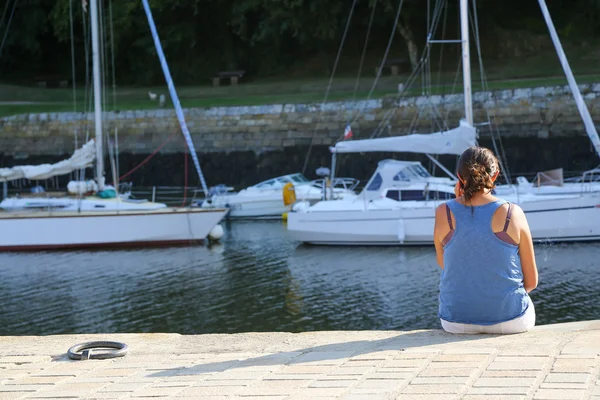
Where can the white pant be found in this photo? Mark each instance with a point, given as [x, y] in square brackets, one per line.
[521, 324]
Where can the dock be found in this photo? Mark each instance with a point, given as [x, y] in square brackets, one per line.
[551, 362]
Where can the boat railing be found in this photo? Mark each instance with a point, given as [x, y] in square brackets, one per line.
[338, 183]
[169, 195]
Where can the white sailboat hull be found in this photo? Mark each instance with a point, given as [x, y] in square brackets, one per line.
[89, 203]
[576, 218]
[68, 230]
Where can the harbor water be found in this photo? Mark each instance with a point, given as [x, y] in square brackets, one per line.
[258, 279]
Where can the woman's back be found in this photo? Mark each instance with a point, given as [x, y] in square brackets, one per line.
[482, 280]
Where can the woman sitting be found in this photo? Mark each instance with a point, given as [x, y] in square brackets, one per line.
[485, 250]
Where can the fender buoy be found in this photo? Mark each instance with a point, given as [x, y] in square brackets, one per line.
[289, 194]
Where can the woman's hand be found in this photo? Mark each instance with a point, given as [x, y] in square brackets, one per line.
[458, 190]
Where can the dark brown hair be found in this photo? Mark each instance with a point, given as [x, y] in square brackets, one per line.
[476, 167]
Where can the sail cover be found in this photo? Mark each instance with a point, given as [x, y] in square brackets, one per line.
[81, 158]
[454, 141]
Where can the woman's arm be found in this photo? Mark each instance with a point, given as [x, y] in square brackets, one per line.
[526, 252]
[440, 217]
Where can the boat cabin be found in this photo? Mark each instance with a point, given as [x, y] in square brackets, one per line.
[281, 181]
[406, 180]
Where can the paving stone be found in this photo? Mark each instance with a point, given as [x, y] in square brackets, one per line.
[453, 364]
[260, 397]
[563, 386]
[405, 355]
[301, 377]
[471, 350]
[439, 380]
[200, 391]
[433, 389]
[379, 385]
[120, 372]
[558, 394]
[405, 396]
[39, 380]
[333, 383]
[123, 387]
[409, 363]
[510, 374]
[343, 370]
[273, 388]
[19, 388]
[441, 372]
[156, 392]
[461, 357]
[487, 391]
[493, 397]
[377, 355]
[383, 374]
[365, 396]
[363, 363]
[323, 358]
[516, 366]
[504, 382]
[13, 395]
[304, 369]
[567, 378]
[310, 393]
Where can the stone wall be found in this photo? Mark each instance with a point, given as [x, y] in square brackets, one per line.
[537, 113]
[540, 129]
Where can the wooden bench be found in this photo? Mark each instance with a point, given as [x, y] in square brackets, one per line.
[393, 64]
[233, 76]
[52, 81]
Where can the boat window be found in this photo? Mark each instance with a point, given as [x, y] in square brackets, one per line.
[408, 195]
[266, 183]
[299, 178]
[420, 171]
[375, 183]
[401, 176]
[393, 194]
[441, 195]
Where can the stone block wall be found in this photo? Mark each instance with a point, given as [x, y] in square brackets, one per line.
[539, 113]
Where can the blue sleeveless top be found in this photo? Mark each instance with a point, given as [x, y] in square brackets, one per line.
[482, 280]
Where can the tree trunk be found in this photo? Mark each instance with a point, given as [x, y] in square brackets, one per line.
[408, 36]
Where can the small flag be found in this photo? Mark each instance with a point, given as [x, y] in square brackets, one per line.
[348, 132]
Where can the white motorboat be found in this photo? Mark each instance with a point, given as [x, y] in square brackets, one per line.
[120, 222]
[266, 199]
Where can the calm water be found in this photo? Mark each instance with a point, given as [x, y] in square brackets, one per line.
[259, 280]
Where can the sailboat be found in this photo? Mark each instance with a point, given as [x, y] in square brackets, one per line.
[397, 206]
[116, 227]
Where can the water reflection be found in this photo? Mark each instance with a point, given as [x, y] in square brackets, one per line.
[259, 280]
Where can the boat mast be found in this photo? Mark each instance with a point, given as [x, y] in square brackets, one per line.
[97, 93]
[466, 60]
[174, 97]
[583, 110]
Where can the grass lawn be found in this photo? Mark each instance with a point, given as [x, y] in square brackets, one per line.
[542, 70]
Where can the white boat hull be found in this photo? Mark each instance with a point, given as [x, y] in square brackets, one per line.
[267, 208]
[570, 219]
[68, 230]
[267, 205]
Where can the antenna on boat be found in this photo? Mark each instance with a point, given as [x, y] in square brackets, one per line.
[466, 60]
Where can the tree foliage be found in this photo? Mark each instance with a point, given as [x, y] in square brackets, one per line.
[201, 37]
